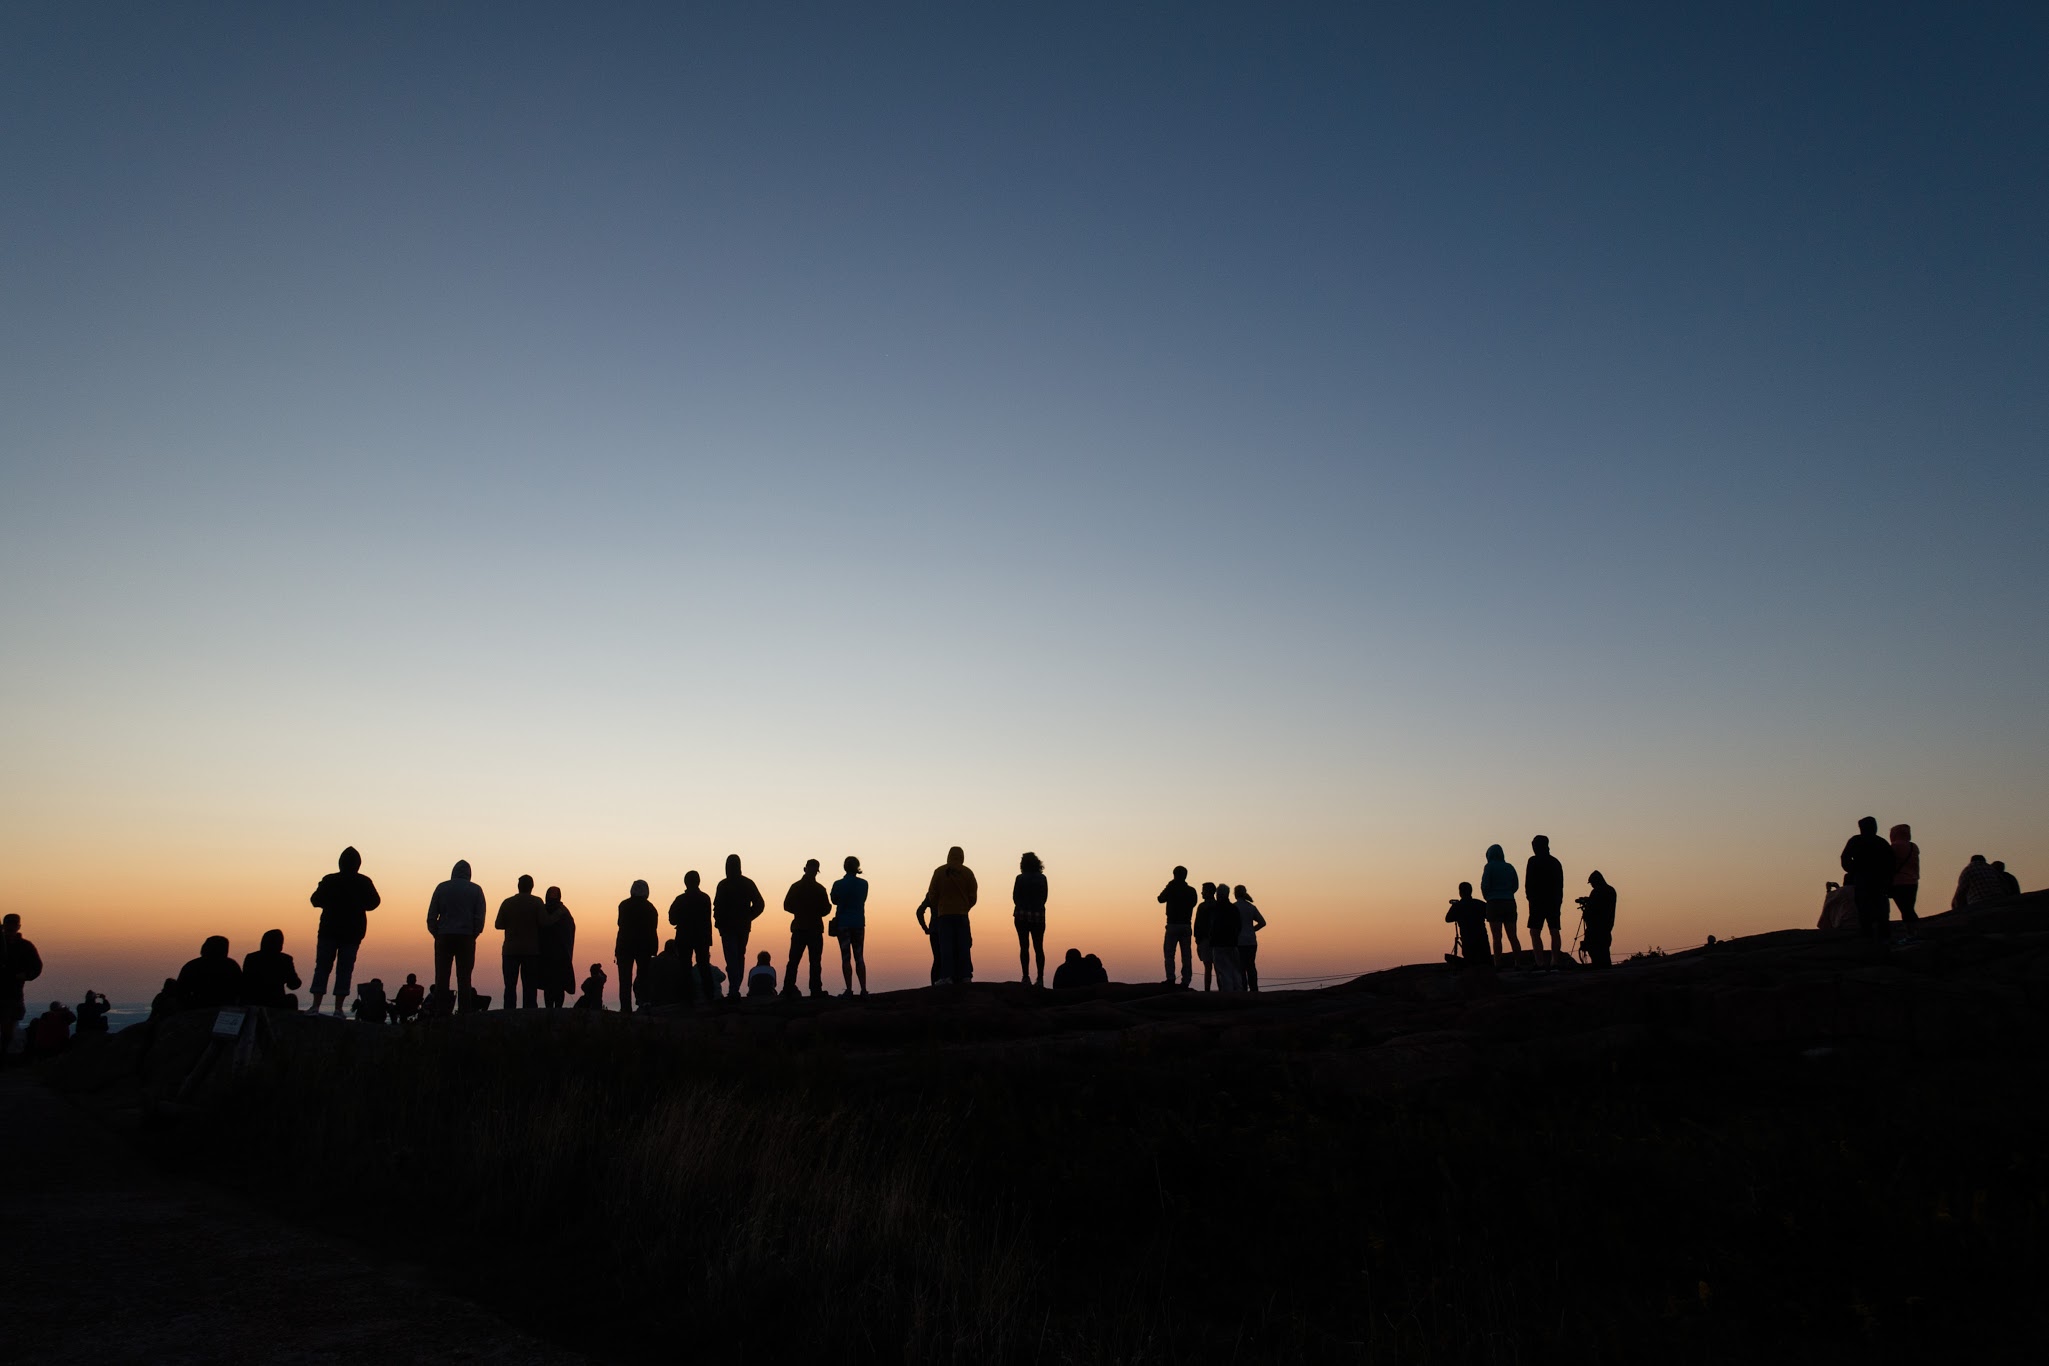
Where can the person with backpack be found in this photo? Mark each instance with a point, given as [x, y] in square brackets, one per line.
[345, 898]
[19, 965]
[1471, 917]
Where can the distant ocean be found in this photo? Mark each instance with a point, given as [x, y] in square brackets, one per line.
[126, 1013]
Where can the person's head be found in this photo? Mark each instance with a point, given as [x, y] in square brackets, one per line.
[1209, 891]
[461, 871]
[273, 941]
[1243, 895]
[1999, 865]
[1030, 863]
[761, 959]
[412, 979]
[526, 884]
[1540, 844]
[1867, 825]
[852, 865]
[639, 889]
[1465, 891]
[350, 860]
[11, 923]
[810, 867]
[216, 946]
[1180, 873]
[692, 880]
[1977, 859]
[1594, 879]
[732, 865]
[597, 969]
[1494, 854]
[1901, 833]
[1093, 961]
[1074, 955]
[554, 896]
[955, 858]
[1223, 892]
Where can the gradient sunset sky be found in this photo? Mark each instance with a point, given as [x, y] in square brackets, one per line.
[1307, 444]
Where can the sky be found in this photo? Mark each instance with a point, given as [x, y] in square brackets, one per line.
[1307, 444]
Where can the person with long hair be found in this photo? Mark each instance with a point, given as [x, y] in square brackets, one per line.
[1028, 913]
[1250, 923]
[850, 924]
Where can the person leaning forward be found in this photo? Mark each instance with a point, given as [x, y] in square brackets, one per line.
[455, 917]
[519, 916]
[735, 905]
[950, 896]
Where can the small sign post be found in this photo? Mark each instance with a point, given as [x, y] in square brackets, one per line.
[228, 1024]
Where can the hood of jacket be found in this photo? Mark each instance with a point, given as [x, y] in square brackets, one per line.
[350, 861]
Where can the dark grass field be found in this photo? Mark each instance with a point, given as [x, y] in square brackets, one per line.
[1782, 1151]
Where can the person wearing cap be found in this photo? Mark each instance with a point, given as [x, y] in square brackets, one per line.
[808, 905]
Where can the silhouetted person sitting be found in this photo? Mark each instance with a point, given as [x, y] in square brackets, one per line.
[1544, 894]
[345, 898]
[269, 977]
[850, 924]
[1179, 899]
[1072, 972]
[455, 917]
[439, 1003]
[2009, 885]
[211, 980]
[1498, 885]
[950, 896]
[1906, 872]
[1093, 970]
[1868, 870]
[51, 1030]
[808, 905]
[761, 979]
[371, 1007]
[1028, 914]
[1473, 923]
[1979, 882]
[165, 1002]
[408, 1001]
[690, 913]
[92, 1013]
[735, 905]
[593, 997]
[1203, 911]
[558, 950]
[1597, 911]
[1250, 923]
[639, 940]
[19, 964]
[520, 917]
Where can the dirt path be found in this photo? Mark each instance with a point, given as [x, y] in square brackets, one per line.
[107, 1261]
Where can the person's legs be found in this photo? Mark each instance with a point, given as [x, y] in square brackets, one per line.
[323, 964]
[1248, 964]
[530, 981]
[465, 962]
[344, 971]
[1024, 954]
[847, 959]
[1904, 895]
[860, 940]
[1228, 977]
[734, 943]
[444, 959]
[1874, 912]
[814, 944]
[1209, 965]
[1039, 951]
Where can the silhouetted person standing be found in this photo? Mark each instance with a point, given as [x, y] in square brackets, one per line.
[1868, 869]
[690, 913]
[1498, 885]
[1028, 913]
[735, 906]
[519, 916]
[1205, 911]
[1544, 893]
[1471, 918]
[639, 940]
[1597, 909]
[345, 898]
[211, 980]
[951, 894]
[19, 963]
[269, 977]
[1179, 899]
[1250, 923]
[1223, 940]
[558, 950]
[1906, 872]
[808, 906]
[455, 917]
[850, 924]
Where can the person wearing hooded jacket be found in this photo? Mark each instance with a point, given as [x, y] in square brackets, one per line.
[638, 942]
[950, 895]
[735, 905]
[212, 979]
[455, 917]
[345, 898]
[1544, 894]
[1498, 885]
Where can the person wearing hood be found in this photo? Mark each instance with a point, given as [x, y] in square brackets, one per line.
[1544, 894]
[638, 942]
[19, 964]
[1498, 885]
[690, 913]
[213, 979]
[269, 977]
[1906, 871]
[949, 897]
[520, 917]
[1597, 912]
[735, 905]
[558, 951]
[455, 917]
[345, 898]
[808, 906]
[1868, 869]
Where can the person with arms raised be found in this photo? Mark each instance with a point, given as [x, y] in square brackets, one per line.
[638, 941]
[808, 905]
[735, 906]
[455, 917]
[345, 898]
